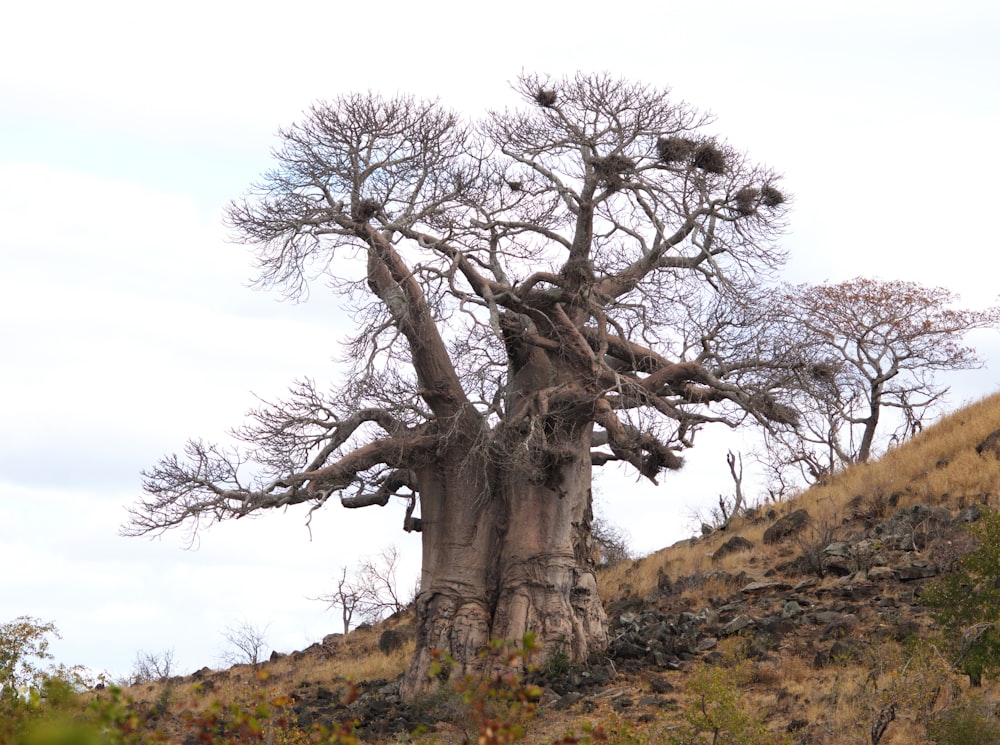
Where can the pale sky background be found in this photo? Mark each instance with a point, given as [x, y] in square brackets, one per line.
[126, 325]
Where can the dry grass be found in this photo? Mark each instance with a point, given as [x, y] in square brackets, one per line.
[356, 658]
[840, 701]
[938, 466]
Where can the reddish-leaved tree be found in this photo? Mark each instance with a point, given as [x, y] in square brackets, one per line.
[867, 347]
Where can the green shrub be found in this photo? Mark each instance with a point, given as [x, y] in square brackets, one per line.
[717, 714]
[24, 644]
[966, 602]
[971, 723]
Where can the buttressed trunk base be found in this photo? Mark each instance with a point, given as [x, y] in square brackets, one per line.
[523, 560]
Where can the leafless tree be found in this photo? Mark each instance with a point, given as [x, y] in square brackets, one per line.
[246, 644]
[377, 577]
[732, 506]
[347, 596]
[150, 667]
[869, 351]
[539, 292]
[612, 542]
[371, 592]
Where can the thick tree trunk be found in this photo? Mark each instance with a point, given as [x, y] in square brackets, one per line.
[455, 603]
[546, 565]
[507, 549]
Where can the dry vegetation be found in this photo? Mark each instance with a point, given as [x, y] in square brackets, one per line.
[839, 702]
[939, 466]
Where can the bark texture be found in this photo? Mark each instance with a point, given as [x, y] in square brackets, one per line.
[521, 559]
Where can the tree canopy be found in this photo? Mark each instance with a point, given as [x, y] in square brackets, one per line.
[867, 347]
[594, 226]
[554, 286]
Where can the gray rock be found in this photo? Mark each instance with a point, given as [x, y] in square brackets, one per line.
[791, 609]
[881, 574]
[991, 445]
[736, 625]
[786, 526]
[761, 588]
[391, 640]
[567, 701]
[841, 549]
[734, 545]
[916, 570]
[969, 514]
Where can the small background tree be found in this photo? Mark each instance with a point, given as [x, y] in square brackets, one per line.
[150, 667]
[378, 579]
[863, 355]
[612, 542]
[347, 596]
[372, 592]
[24, 646]
[246, 644]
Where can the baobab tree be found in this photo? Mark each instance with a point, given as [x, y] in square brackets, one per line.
[527, 289]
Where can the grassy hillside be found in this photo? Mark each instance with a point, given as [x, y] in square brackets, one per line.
[818, 636]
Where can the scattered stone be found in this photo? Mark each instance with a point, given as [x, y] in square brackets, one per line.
[844, 650]
[736, 625]
[620, 703]
[391, 640]
[660, 684]
[734, 545]
[881, 574]
[567, 701]
[840, 549]
[990, 445]
[663, 583]
[761, 588]
[786, 526]
[791, 610]
[916, 570]
[969, 514]
[796, 725]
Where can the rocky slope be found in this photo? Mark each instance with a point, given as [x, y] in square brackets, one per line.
[821, 595]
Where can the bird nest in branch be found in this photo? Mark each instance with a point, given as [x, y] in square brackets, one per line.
[674, 149]
[367, 209]
[746, 200]
[824, 372]
[613, 165]
[610, 170]
[709, 158]
[545, 98]
[771, 197]
[774, 410]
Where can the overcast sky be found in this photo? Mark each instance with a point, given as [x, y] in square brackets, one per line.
[127, 326]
